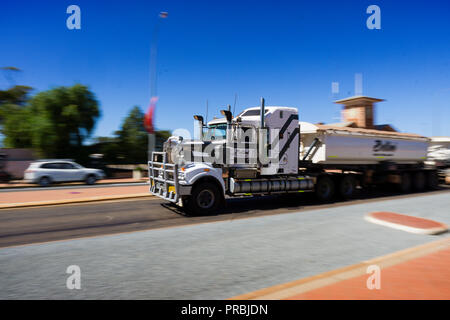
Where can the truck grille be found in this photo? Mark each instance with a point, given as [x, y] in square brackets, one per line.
[163, 177]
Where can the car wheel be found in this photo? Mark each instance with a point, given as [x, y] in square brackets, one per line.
[45, 182]
[91, 179]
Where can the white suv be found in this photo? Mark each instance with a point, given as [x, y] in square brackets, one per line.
[45, 172]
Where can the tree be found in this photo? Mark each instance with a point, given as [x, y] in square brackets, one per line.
[17, 126]
[130, 144]
[133, 138]
[54, 122]
[17, 95]
[110, 149]
[11, 99]
[161, 137]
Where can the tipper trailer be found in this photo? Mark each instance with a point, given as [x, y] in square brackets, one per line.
[267, 150]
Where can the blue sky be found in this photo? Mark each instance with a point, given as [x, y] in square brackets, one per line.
[287, 51]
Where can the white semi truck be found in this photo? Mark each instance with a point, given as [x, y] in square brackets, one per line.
[267, 150]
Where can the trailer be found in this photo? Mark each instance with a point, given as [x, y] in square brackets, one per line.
[439, 157]
[266, 150]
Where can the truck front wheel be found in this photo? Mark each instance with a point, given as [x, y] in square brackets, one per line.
[205, 199]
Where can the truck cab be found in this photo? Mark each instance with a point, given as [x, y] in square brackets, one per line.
[255, 152]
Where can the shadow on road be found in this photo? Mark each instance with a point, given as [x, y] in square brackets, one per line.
[42, 224]
[304, 201]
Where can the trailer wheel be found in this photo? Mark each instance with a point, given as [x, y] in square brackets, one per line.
[405, 183]
[205, 199]
[419, 181]
[347, 186]
[324, 188]
[432, 180]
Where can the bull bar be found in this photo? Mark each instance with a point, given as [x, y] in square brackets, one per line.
[163, 176]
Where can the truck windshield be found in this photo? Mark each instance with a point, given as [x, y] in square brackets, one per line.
[216, 132]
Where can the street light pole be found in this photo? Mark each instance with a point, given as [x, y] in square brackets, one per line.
[154, 77]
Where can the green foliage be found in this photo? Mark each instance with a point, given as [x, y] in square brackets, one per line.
[54, 122]
[17, 126]
[17, 95]
[133, 138]
[131, 141]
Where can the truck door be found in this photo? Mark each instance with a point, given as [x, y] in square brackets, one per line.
[284, 142]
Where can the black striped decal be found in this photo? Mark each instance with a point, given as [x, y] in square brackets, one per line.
[291, 118]
[286, 125]
[286, 146]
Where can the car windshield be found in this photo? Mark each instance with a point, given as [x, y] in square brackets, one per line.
[216, 132]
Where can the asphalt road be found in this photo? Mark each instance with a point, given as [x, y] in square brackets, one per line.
[41, 224]
[212, 260]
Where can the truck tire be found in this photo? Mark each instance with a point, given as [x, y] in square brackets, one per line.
[432, 180]
[324, 188]
[45, 182]
[205, 199]
[419, 181]
[347, 186]
[405, 183]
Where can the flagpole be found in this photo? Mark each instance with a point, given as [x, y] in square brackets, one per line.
[153, 81]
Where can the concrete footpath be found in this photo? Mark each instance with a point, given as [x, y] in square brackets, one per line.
[73, 195]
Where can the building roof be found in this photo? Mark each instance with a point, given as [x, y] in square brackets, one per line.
[357, 99]
[384, 127]
[342, 124]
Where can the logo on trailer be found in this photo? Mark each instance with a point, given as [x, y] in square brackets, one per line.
[384, 146]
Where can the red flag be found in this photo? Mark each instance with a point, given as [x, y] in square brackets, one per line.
[149, 117]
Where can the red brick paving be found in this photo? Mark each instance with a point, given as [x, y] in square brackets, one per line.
[405, 220]
[426, 277]
[66, 194]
